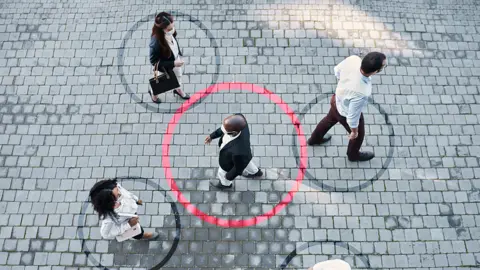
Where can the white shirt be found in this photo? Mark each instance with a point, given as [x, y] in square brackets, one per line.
[353, 89]
[128, 205]
[227, 138]
[172, 42]
[128, 202]
[332, 265]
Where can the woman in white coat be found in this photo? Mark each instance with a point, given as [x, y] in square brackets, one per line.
[117, 210]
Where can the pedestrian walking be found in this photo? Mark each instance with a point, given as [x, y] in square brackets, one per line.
[117, 211]
[346, 105]
[165, 52]
[331, 265]
[235, 156]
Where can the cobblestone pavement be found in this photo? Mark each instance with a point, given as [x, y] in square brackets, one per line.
[74, 109]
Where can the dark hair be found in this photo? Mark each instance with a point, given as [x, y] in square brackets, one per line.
[373, 62]
[162, 21]
[102, 198]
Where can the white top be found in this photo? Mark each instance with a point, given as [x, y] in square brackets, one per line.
[353, 89]
[227, 138]
[332, 265]
[173, 46]
[128, 205]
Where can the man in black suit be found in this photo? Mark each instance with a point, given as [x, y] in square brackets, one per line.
[235, 154]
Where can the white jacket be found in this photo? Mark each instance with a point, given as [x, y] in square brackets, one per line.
[111, 227]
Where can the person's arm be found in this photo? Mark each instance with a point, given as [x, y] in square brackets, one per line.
[355, 108]
[109, 229]
[165, 64]
[156, 58]
[178, 45]
[216, 134]
[338, 68]
[238, 167]
[154, 52]
[123, 190]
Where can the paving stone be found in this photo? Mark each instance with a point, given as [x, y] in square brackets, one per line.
[67, 122]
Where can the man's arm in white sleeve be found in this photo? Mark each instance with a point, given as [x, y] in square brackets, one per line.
[355, 110]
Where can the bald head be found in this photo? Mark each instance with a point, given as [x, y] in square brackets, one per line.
[233, 124]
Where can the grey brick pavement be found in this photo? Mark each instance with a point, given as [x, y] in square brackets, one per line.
[66, 121]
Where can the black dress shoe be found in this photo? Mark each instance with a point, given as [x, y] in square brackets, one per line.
[363, 156]
[257, 174]
[220, 186]
[325, 139]
[185, 96]
[151, 96]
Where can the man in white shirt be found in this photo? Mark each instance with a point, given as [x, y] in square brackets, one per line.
[351, 96]
[331, 265]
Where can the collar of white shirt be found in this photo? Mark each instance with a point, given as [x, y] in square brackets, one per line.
[228, 138]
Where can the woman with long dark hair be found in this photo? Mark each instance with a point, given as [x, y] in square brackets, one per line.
[165, 51]
[116, 207]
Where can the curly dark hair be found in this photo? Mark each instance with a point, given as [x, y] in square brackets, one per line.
[162, 21]
[102, 198]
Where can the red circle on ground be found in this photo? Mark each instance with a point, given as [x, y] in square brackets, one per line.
[169, 135]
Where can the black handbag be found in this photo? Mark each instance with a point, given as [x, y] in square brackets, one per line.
[166, 81]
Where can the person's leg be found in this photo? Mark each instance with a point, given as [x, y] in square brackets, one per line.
[318, 135]
[146, 235]
[178, 73]
[140, 236]
[343, 121]
[353, 151]
[252, 170]
[221, 176]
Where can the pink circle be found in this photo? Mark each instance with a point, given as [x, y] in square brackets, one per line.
[169, 135]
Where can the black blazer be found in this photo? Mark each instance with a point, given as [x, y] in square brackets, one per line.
[235, 156]
[156, 56]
